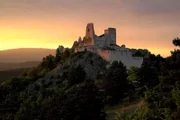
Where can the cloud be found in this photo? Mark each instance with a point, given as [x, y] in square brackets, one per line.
[96, 7]
[119, 11]
[149, 7]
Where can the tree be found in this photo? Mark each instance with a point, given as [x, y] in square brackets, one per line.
[170, 70]
[133, 74]
[66, 54]
[58, 55]
[148, 75]
[138, 54]
[176, 41]
[116, 82]
[48, 62]
[81, 102]
[76, 75]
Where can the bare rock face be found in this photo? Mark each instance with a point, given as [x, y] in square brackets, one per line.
[92, 64]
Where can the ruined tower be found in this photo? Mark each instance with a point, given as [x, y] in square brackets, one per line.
[90, 32]
[112, 36]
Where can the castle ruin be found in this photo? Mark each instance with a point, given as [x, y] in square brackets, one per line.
[105, 45]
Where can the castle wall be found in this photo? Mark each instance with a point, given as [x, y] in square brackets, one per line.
[101, 41]
[124, 56]
[104, 54]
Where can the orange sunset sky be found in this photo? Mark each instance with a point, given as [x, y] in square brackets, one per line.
[146, 24]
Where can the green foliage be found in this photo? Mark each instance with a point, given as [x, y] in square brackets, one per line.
[176, 94]
[162, 101]
[148, 75]
[138, 54]
[65, 54]
[139, 114]
[48, 62]
[58, 56]
[73, 97]
[149, 72]
[10, 96]
[79, 102]
[10, 90]
[170, 70]
[36, 87]
[9, 74]
[133, 74]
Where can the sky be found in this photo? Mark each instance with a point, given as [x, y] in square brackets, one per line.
[145, 24]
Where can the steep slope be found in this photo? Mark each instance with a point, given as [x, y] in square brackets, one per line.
[92, 64]
[35, 94]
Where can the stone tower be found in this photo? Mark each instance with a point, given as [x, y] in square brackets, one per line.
[90, 32]
[112, 36]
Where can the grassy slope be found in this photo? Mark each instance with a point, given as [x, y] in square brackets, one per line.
[127, 107]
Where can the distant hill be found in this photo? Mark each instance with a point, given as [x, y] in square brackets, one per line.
[10, 66]
[24, 55]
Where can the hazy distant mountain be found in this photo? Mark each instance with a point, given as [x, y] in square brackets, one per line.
[10, 66]
[24, 55]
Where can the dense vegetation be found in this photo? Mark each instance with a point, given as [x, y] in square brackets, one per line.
[161, 79]
[74, 96]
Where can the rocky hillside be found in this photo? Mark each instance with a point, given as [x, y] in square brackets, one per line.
[55, 89]
[92, 64]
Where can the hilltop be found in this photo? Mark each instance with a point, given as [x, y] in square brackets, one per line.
[92, 64]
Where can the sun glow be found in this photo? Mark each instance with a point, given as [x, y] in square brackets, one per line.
[31, 36]
[29, 33]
